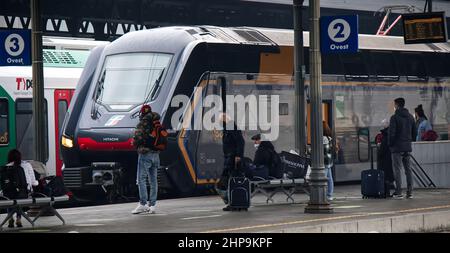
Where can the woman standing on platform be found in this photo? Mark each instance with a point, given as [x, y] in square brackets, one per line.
[328, 158]
[422, 123]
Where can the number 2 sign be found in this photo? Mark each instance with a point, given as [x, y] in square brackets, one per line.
[339, 34]
[15, 48]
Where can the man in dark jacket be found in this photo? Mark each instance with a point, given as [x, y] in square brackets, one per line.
[264, 156]
[233, 150]
[400, 135]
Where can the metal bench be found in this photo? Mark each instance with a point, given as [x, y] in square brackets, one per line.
[272, 186]
[295, 168]
[16, 206]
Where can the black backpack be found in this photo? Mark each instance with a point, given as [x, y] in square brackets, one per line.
[275, 169]
[13, 182]
[55, 187]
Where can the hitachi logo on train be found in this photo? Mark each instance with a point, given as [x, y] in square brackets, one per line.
[110, 139]
[24, 84]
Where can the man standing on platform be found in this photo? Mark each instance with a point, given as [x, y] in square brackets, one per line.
[401, 133]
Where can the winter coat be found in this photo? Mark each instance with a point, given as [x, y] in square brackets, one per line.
[143, 130]
[422, 125]
[263, 155]
[233, 142]
[327, 149]
[402, 131]
[384, 159]
[29, 174]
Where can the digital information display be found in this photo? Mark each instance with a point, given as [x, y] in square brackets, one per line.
[424, 28]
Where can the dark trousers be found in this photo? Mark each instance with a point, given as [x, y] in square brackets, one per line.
[228, 168]
[399, 159]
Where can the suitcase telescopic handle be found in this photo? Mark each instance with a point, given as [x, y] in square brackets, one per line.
[371, 156]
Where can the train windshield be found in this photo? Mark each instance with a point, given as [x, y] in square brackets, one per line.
[130, 79]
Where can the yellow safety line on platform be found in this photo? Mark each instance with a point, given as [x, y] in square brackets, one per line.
[326, 219]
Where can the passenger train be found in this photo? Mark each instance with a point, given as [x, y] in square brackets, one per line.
[154, 66]
[64, 59]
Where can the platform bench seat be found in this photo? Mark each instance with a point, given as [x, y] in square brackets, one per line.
[45, 202]
[269, 187]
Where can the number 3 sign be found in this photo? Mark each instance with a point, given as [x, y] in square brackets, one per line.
[15, 48]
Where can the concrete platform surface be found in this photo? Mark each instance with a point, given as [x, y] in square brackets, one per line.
[428, 210]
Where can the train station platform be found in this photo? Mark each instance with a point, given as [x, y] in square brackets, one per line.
[427, 211]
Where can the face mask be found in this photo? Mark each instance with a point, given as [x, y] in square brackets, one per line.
[256, 145]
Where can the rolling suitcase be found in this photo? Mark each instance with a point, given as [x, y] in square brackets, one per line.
[372, 182]
[239, 193]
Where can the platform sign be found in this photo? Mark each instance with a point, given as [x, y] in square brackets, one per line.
[15, 48]
[424, 28]
[339, 34]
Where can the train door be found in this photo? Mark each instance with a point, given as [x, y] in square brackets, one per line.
[209, 153]
[327, 116]
[7, 140]
[62, 100]
[25, 128]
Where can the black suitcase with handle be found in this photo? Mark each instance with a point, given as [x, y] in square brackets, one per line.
[239, 193]
[372, 181]
[239, 189]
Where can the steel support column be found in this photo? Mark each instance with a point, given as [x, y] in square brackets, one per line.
[300, 101]
[318, 202]
[38, 82]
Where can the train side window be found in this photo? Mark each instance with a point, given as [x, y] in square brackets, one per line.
[62, 109]
[25, 129]
[414, 66]
[4, 120]
[363, 144]
[284, 109]
[331, 64]
[354, 67]
[436, 65]
[384, 65]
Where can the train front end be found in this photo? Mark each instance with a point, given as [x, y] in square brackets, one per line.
[136, 69]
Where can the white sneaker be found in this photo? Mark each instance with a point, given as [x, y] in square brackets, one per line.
[152, 209]
[330, 198]
[140, 209]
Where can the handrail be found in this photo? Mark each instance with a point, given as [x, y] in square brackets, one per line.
[431, 183]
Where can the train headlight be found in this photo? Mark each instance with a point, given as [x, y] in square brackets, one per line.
[67, 142]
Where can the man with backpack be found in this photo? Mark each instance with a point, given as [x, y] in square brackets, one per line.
[149, 138]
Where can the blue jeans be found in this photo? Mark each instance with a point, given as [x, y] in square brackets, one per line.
[330, 188]
[148, 168]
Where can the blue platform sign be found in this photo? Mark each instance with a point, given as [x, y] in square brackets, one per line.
[339, 34]
[15, 47]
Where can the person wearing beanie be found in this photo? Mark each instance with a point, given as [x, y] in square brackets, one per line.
[148, 161]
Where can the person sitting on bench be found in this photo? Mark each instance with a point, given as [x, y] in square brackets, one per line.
[267, 162]
[17, 180]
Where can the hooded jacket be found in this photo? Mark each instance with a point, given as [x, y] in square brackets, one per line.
[402, 131]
